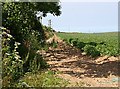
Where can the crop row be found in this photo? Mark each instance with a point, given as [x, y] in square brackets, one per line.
[97, 44]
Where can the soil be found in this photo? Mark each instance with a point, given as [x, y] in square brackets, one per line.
[78, 68]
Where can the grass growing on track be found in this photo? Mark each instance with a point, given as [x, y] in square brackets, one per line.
[43, 79]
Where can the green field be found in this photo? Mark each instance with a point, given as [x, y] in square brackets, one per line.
[107, 43]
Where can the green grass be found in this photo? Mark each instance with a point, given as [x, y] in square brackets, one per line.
[109, 38]
[43, 79]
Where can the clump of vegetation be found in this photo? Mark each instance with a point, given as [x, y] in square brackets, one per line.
[70, 40]
[88, 48]
[42, 79]
[91, 50]
[107, 50]
[33, 60]
[80, 45]
[74, 42]
[12, 64]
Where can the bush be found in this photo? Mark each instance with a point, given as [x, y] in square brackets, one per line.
[91, 50]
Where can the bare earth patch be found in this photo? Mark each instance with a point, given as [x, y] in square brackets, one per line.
[78, 68]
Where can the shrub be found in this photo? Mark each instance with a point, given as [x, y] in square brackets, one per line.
[91, 50]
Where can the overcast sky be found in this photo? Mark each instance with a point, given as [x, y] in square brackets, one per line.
[85, 17]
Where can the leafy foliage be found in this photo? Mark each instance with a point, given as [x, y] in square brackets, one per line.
[105, 43]
[23, 26]
[12, 64]
[20, 18]
[89, 47]
[43, 79]
[92, 43]
[74, 42]
[80, 45]
[70, 40]
[33, 61]
[91, 50]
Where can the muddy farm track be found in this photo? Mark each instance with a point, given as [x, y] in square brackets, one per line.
[81, 69]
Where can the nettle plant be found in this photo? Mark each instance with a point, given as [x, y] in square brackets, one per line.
[11, 62]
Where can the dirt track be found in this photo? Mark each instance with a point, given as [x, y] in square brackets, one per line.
[77, 68]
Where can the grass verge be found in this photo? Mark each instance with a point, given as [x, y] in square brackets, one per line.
[42, 79]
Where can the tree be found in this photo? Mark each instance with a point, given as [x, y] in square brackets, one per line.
[20, 17]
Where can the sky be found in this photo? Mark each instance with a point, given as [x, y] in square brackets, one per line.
[85, 17]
